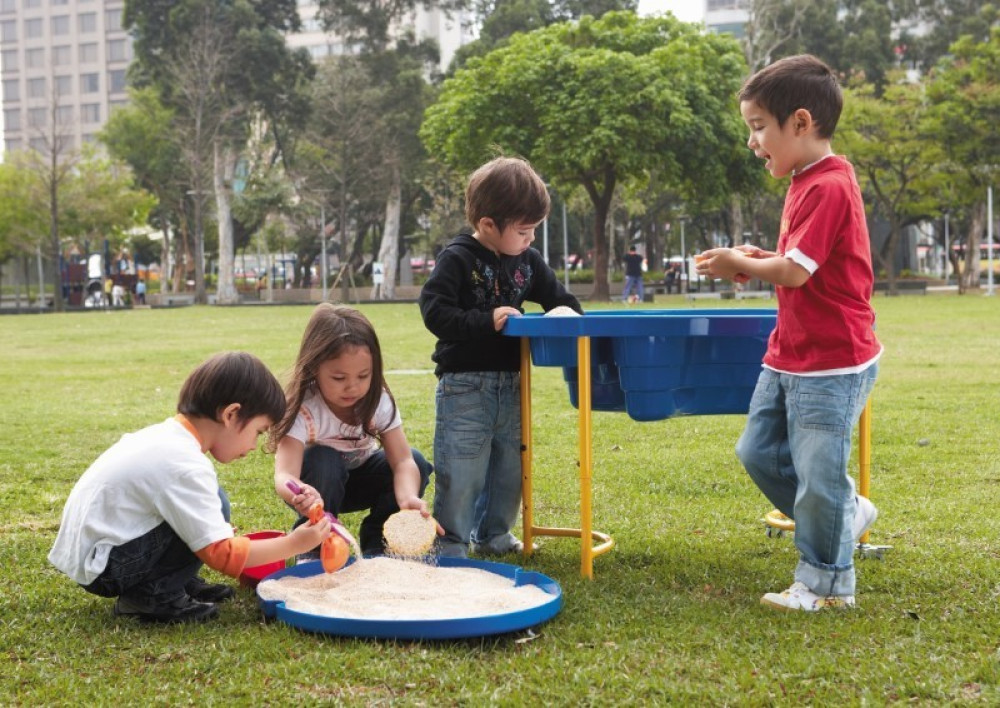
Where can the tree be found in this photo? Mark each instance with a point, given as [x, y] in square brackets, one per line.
[965, 96]
[886, 141]
[141, 135]
[217, 65]
[597, 103]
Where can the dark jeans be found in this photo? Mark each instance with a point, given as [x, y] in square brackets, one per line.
[154, 567]
[367, 487]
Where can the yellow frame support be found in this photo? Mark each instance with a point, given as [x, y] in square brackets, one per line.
[586, 533]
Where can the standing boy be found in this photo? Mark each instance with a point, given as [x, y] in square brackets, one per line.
[821, 360]
[144, 517]
[478, 282]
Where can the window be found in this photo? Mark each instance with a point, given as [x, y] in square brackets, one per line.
[37, 117]
[11, 90]
[12, 119]
[55, 3]
[28, 4]
[113, 20]
[36, 88]
[8, 59]
[90, 83]
[64, 115]
[90, 113]
[13, 145]
[33, 29]
[118, 50]
[39, 145]
[34, 58]
[8, 31]
[60, 25]
[88, 53]
[116, 81]
[87, 22]
[64, 85]
[62, 55]
[8, 7]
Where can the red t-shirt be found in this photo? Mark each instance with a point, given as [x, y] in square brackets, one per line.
[828, 322]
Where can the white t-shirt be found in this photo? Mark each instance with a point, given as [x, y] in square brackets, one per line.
[316, 424]
[154, 475]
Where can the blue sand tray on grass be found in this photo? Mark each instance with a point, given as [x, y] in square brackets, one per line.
[454, 628]
[655, 364]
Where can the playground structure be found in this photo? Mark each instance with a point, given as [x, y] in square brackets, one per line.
[652, 365]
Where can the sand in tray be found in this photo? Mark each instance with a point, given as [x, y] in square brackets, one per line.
[384, 588]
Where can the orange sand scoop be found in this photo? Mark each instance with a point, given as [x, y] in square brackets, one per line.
[334, 551]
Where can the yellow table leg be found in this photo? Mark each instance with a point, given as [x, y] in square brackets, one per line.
[585, 533]
[527, 515]
[865, 455]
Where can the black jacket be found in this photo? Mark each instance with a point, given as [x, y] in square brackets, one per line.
[469, 281]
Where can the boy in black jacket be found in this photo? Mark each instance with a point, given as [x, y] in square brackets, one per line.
[479, 281]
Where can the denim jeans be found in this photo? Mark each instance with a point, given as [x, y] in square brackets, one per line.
[477, 458]
[152, 568]
[369, 486]
[796, 447]
[633, 284]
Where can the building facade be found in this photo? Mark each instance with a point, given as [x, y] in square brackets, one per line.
[62, 65]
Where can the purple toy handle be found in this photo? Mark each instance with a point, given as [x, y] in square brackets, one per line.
[296, 489]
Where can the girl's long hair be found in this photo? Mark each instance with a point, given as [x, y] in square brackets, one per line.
[331, 331]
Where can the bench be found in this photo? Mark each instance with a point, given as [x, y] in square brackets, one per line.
[903, 287]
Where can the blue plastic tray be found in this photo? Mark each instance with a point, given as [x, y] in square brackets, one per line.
[423, 629]
[655, 364]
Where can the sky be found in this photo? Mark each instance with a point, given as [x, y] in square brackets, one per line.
[686, 10]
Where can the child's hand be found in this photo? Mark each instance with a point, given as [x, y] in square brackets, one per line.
[309, 535]
[501, 314]
[722, 263]
[304, 500]
[421, 506]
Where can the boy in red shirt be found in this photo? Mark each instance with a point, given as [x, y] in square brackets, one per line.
[821, 360]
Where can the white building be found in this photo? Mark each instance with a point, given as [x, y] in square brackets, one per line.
[62, 64]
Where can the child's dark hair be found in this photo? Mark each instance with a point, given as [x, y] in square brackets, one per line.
[331, 331]
[795, 82]
[232, 377]
[506, 190]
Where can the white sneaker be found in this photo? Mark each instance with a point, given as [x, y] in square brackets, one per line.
[865, 514]
[800, 597]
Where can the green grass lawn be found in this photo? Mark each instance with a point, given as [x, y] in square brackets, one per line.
[672, 615]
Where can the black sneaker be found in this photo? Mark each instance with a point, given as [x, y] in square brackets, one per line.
[199, 589]
[182, 609]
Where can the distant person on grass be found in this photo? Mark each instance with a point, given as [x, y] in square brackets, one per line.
[821, 360]
[480, 280]
[633, 275]
[144, 517]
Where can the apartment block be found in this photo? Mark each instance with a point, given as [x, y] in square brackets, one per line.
[62, 66]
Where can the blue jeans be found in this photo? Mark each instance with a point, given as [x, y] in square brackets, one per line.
[796, 447]
[369, 486]
[477, 459]
[633, 283]
[154, 567]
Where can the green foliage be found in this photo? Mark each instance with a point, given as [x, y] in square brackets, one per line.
[672, 616]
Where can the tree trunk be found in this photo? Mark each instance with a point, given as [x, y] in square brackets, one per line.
[57, 296]
[222, 175]
[602, 203]
[388, 252]
[886, 256]
[970, 272]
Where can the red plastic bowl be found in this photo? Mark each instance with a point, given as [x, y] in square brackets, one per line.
[253, 575]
